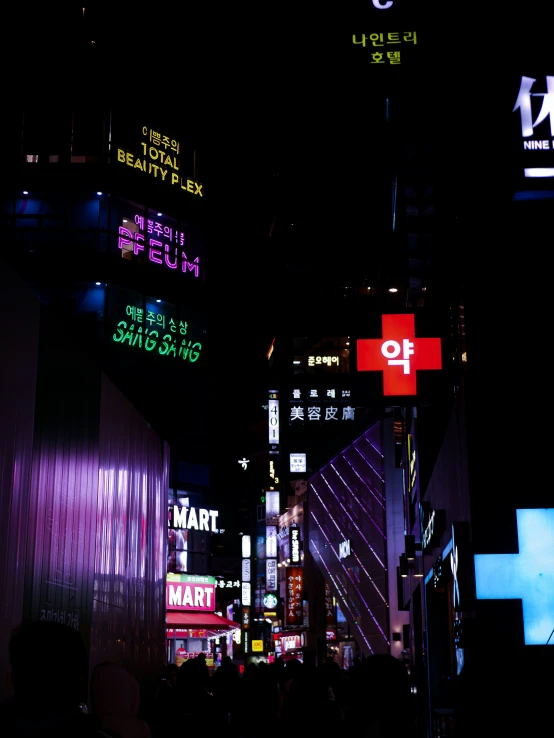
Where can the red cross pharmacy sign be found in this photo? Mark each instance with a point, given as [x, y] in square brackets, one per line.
[398, 354]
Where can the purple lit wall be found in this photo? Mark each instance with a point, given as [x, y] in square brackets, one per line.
[83, 498]
[20, 312]
[128, 619]
[347, 504]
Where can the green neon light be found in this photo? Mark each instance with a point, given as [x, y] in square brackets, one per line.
[152, 339]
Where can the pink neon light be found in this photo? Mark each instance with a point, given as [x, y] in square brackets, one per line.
[152, 251]
[158, 249]
[167, 260]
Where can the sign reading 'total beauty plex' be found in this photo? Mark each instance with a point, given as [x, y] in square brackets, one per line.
[399, 354]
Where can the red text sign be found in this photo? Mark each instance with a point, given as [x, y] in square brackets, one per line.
[399, 354]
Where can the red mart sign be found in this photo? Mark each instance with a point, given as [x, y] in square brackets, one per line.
[190, 596]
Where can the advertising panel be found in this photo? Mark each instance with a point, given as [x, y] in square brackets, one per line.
[293, 595]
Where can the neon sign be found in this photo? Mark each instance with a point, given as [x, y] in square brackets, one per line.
[152, 339]
[399, 354]
[527, 576]
[158, 158]
[159, 251]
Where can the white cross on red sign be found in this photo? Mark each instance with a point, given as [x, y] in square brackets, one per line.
[398, 354]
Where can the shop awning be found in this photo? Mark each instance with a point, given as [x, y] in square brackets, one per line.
[209, 621]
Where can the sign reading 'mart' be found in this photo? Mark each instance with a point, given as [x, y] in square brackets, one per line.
[191, 518]
[158, 156]
[189, 592]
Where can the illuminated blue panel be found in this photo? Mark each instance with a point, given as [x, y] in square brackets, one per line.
[527, 575]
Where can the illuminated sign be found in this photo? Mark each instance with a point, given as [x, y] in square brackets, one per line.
[320, 405]
[527, 576]
[159, 248]
[412, 461]
[294, 543]
[330, 615]
[399, 354]
[161, 337]
[382, 4]
[190, 596]
[385, 46]
[433, 525]
[257, 645]
[246, 618]
[246, 546]
[246, 570]
[271, 576]
[298, 463]
[245, 598]
[191, 519]
[270, 600]
[344, 549]
[227, 584]
[273, 417]
[244, 462]
[157, 157]
[535, 109]
[293, 595]
[323, 360]
[271, 541]
[272, 503]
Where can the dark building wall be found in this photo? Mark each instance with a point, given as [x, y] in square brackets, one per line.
[86, 511]
[20, 312]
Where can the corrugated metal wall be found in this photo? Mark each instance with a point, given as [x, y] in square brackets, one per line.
[84, 516]
[19, 317]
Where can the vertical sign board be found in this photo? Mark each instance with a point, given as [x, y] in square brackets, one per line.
[294, 535]
[293, 596]
[273, 420]
[271, 575]
[271, 541]
[272, 504]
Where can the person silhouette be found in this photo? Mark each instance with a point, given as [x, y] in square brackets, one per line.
[48, 663]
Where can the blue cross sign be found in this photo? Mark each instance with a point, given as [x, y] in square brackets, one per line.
[527, 576]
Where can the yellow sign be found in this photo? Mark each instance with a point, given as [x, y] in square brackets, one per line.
[159, 159]
[257, 646]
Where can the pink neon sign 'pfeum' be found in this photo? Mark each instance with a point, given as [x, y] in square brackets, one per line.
[159, 251]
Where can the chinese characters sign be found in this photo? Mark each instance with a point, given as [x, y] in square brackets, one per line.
[297, 463]
[293, 595]
[158, 157]
[399, 354]
[326, 406]
[163, 336]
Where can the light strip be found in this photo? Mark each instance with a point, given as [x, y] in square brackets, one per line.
[539, 172]
[352, 521]
[345, 570]
[360, 503]
[345, 603]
